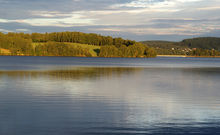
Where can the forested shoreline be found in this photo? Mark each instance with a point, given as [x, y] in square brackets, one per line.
[93, 45]
[197, 47]
[71, 44]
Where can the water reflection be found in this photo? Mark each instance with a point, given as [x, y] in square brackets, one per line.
[76, 73]
[110, 101]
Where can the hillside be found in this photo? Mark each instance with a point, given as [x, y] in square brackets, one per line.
[163, 44]
[201, 42]
[91, 48]
[203, 46]
[71, 44]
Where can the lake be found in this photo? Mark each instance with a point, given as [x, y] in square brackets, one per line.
[106, 96]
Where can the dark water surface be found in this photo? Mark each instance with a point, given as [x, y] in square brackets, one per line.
[77, 96]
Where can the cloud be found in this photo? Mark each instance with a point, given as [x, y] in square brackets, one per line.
[22, 30]
[209, 8]
[4, 20]
[155, 4]
[135, 19]
[50, 14]
[52, 19]
[4, 30]
[74, 20]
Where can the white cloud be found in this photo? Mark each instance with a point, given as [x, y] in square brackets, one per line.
[4, 20]
[50, 14]
[4, 30]
[137, 17]
[22, 30]
[180, 29]
[73, 19]
[154, 4]
[209, 8]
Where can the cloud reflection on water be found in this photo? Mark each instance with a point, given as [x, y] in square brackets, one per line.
[127, 97]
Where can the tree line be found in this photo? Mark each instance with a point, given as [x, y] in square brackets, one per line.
[60, 49]
[73, 37]
[136, 50]
[16, 44]
[188, 52]
[204, 52]
[203, 43]
[203, 46]
[58, 44]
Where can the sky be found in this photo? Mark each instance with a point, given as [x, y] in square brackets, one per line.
[140, 20]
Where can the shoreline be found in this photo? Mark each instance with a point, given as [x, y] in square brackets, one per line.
[171, 56]
[184, 56]
[73, 56]
[180, 56]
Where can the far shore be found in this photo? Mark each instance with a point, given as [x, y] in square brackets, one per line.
[183, 56]
[188, 56]
[171, 56]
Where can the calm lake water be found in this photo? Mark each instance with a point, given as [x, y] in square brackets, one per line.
[77, 96]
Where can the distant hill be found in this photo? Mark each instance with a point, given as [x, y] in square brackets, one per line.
[202, 46]
[201, 42]
[162, 44]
